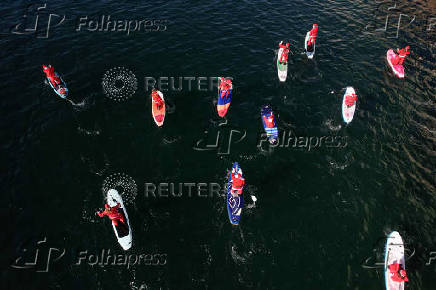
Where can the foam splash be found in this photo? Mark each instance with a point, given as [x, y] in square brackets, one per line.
[237, 258]
[87, 132]
[250, 190]
[170, 140]
[331, 126]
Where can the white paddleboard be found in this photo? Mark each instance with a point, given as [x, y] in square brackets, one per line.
[123, 232]
[394, 254]
[397, 69]
[309, 54]
[348, 112]
[282, 69]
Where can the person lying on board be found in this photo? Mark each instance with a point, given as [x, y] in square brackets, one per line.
[398, 274]
[156, 98]
[350, 100]
[312, 37]
[269, 121]
[112, 213]
[51, 75]
[225, 86]
[286, 48]
[402, 53]
[237, 183]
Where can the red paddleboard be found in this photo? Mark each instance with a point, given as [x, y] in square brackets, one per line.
[398, 69]
[158, 112]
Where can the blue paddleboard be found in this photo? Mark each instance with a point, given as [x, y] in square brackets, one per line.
[271, 129]
[234, 204]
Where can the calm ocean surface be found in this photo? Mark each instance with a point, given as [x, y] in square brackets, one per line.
[322, 212]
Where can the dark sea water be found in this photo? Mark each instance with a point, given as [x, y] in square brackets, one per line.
[321, 216]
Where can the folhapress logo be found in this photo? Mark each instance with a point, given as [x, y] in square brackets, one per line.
[38, 259]
[431, 258]
[222, 142]
[391, 19]
[37, 21]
